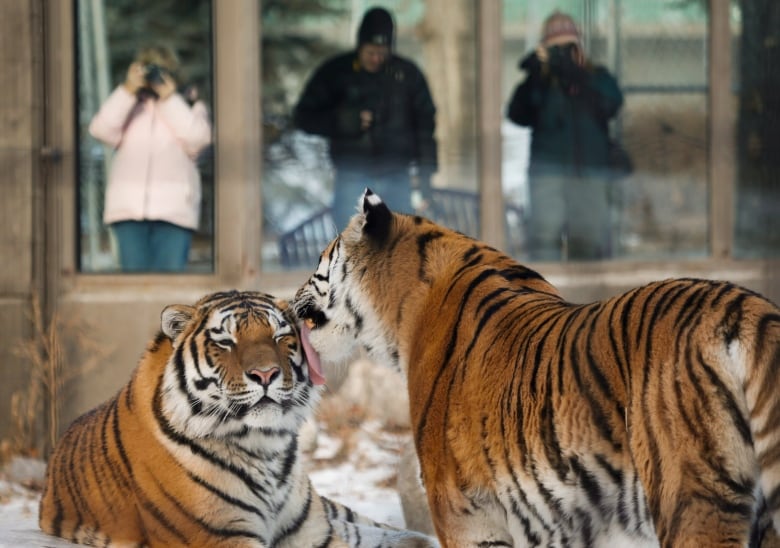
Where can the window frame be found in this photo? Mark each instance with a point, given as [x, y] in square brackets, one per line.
[237, 135]
[238, 165]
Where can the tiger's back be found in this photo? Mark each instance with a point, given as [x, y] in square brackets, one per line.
[90, 490]
[643, 407]
[652, 417]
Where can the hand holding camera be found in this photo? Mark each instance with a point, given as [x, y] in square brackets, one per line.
[366, 119]
[150, 77]
[565, 61]
[135, 80]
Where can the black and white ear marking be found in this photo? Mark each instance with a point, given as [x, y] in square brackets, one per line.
[174, 317]
[377, 214]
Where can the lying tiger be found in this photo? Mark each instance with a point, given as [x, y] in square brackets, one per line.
[649, 418]
[200, 448]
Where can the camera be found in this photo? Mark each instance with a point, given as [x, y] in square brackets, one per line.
[564, 66]
[561, 56]
[153, 74]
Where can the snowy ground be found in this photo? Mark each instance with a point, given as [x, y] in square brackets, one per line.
[354, 464]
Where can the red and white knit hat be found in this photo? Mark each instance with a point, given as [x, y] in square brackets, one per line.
[560, 28]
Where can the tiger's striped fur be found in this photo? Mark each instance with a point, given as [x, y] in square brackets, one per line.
[200, 448]
[651, 418]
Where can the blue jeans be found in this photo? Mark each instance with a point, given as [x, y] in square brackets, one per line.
[394, 188]
[152, 246]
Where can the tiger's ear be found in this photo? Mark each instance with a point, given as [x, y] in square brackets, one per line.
[378, 216]
[174, 318]
[288, 310]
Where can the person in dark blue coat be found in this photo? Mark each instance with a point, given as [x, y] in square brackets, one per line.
[567, 102]
[376, 110]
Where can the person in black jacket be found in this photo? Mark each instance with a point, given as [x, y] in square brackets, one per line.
[377, 112]
[567, 102]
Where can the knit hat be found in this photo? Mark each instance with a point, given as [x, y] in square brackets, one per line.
[560, 28]
[376, 28]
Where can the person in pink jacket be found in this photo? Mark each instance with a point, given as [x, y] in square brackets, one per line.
[152, 200]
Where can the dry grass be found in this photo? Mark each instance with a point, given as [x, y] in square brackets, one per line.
[341, 420]
[36, 409]
[346, 421]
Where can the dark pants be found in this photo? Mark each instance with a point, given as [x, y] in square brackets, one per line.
[569, 218]
[152, 246]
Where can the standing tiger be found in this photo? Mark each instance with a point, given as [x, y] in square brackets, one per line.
[652, 418]
[200, 448]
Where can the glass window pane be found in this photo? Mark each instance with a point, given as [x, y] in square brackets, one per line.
[755, 25]
[338, 118]
[146, 177]
[588, 182]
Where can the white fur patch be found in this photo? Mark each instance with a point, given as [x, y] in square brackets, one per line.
[373, 199]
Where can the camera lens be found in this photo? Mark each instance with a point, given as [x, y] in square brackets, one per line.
[154, 74]
[556, 55]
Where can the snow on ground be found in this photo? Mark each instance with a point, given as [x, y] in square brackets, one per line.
[19, 519]
[355, 466]
[366, 480]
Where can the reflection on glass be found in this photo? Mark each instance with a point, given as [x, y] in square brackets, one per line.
[376, 110]
[567, 101]
[658, 209]
[146, 168]
[757, 204]
[365, 99]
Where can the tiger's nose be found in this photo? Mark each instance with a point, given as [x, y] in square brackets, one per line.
[263, 377]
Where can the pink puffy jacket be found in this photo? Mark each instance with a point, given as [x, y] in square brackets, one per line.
[153, 172]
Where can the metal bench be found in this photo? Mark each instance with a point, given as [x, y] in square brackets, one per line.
[457, 209]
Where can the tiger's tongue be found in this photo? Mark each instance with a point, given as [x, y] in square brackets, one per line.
[315, 367]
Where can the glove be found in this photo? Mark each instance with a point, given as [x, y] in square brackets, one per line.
[531, 64]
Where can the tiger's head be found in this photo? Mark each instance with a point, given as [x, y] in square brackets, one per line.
[237, 364]
[369, 278]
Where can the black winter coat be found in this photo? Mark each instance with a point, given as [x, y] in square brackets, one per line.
[569, 121]
[403, 115]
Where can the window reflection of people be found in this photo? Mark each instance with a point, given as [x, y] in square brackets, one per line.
[376, 109]
[152, 200]
[567, 102]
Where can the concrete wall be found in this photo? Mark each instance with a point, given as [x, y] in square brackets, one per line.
[20, 243]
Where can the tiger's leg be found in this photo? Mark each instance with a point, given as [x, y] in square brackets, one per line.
[463, 522]
[236, 543]
[701, 492]
[360, 531]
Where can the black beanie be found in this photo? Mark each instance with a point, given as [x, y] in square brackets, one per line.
[376, 28]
